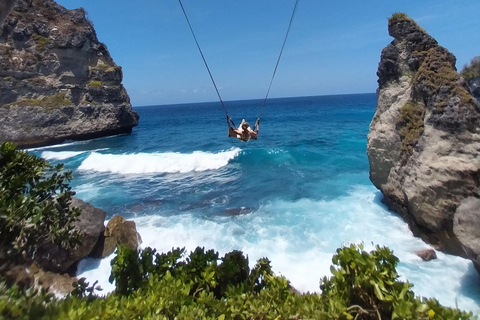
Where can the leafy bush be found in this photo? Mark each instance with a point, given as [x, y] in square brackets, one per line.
[174, 286]
[131, 270]
[34, 204]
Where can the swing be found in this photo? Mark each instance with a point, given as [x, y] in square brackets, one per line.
[232, 132]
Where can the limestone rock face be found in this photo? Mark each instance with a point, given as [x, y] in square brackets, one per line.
[424, 141]
[57, 81]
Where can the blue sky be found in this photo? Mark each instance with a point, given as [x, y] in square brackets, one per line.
[333, 48]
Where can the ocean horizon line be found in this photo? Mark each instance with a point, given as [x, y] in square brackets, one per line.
[251, 100]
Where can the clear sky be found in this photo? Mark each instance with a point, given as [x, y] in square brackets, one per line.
[333, 48]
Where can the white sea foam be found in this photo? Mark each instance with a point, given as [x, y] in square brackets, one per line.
[168, 162]
[301, 237]
[59, 155]
[66, 144]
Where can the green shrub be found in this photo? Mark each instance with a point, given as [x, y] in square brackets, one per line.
[102, 66]
[171, 286]
[49, 103]
[34, 204]
[411, 126]
[94, 84]
[40, 41]
[400, 16]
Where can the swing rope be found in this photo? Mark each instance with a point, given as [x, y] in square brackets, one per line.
[229, 120]
[206, 65]
[278, 60]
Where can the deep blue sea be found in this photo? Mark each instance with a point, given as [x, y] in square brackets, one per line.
[295, 195]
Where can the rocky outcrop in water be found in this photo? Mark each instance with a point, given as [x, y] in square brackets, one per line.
[57, 81]
[118, 232]
[424, 141]
[90, 224]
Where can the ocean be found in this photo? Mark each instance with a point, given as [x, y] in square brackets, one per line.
[295, 195]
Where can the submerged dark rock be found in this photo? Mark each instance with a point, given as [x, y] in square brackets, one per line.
[57, 81]
[424, 141]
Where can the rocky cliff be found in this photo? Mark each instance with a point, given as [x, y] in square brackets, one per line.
[471, 74]
[424, 141]
[57, 81]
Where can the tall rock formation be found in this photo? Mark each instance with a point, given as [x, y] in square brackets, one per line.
[424, 141]
[57, 81]
[471, 74]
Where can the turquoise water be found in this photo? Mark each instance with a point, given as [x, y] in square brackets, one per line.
[295, 195]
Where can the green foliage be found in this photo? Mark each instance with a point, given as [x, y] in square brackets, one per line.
[411, 126]
[102, 66]
[401, 16]
[94, 84]
[472, 70]
[174, 286]
[16, 303]
[81, 289]
[200, 269]
[34, 204]
[40, 41]
[49, 103]
[437, 76]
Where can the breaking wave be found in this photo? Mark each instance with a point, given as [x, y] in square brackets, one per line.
[168, 162]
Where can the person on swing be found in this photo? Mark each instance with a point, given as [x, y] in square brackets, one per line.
[243, 132]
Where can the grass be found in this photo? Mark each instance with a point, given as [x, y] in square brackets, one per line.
[94, 84]
[49, 103]
[437, 74]
[40, 41]
[411, 122]
[400, 16]
[101, 66]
